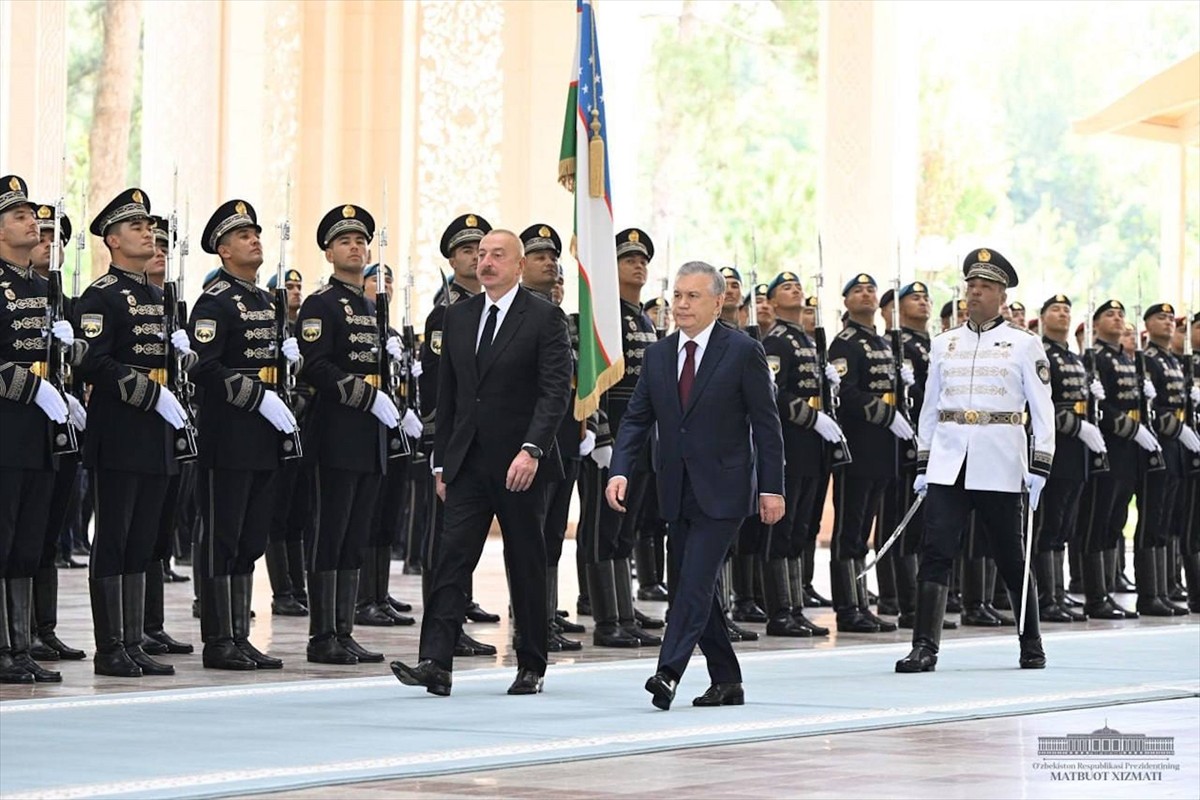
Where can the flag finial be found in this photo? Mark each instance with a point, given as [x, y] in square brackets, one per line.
[596, 158]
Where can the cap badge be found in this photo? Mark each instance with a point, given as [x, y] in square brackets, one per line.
[1167, 309]
[471, 221]
[544, 232]
[984, 256]
[348, 212]
[240, 208]
[137, 196]
[43, 212]
[634, 236]
[14, 184]
[864, 278]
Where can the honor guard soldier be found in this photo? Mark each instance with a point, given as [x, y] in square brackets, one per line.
[45, 644]
[872, 423]
[30, 407]
[339, 343]
[460, 247]
[1077, 443]
[243, 419]
[610, 537]
[1157, 492]
[974, 453]
[543, 248]
[1191, 514]
[1017, 310]
[1107, 495]
[293, 496]
[792, 357]
[731, 305]
[763, 309]
[135, 415]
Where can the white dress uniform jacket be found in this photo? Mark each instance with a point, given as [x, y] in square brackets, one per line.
[979, 378]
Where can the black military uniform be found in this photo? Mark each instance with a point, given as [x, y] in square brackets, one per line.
[26, 461]
[1107, 495]
[792, 357]
[233, 326]
[812, 598]
[1190, 515]
[864, 361]
[1157, 492]
[466, 229]
[649, 554]
[130, 448]
[338, 340]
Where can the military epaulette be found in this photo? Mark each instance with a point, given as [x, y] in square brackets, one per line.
[323, 289]
[217, 288]
[847, 333]
[1020, 328]
[778, 330]
[103, 282]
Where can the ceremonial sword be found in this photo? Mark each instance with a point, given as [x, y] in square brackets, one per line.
[912, 510]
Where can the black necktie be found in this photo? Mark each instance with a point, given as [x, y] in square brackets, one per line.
[489, 333]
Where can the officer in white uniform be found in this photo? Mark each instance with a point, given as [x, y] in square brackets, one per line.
[973, 452]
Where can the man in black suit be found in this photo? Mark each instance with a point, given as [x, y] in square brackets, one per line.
[719, 459]
[503, 388]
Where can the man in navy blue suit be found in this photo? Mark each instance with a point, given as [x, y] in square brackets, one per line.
[719, 460]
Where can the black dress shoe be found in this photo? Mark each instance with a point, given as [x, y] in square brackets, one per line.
[400, 619]
[1032, 654]
[1054, 613]
[655, 592]
[115, 664]
[566, 626]
[739, 634]
[372, 615]
[613, 635]
[148, 665]
[426, 673]
[803, 621]
[954, 603]
[647, 622]
[977, 617]
[645, 638]
[403, 608]
[748, 611]
[852, 620]
[1005, 620]
[40, 651]
[557, 643]
[171, 576]
[813, 600]
[152, 647]
[51, 641]
[662, 687]
[1153, 607]
[174, 647]
[882, 624]
[328, 650]
[1103, 609]
[288, 606]
[783, 624]
[355, 649]
[527, 682]
[477, 614]
[888, 608]
[40, 674]
[466, 646]
[10, 672]
[921, 659]
[1124, 585]
[261, 660]
[224, 654]
[722, 694]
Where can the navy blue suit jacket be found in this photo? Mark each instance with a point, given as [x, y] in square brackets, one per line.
[728, 439]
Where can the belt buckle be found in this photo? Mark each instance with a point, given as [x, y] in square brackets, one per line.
[267, 374]
[971, 417]
[814, 402]
[40, 369]
[158, 375]
[372, 380]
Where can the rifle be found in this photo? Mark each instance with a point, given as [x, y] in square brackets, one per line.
[283, 375]
[1146, 415]
[899, 388]
[752, 308]
[410, 390]
[397, 440]
[1097, 462]
[839, 453]
[184, 439]
[62, 434]
[1189, 381]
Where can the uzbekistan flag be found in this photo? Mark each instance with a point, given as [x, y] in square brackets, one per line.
[584, 153]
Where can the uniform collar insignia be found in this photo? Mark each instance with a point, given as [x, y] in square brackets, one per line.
[136, 277]
[358, 290]
[995, 322]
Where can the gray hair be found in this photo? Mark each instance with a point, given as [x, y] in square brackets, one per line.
[701, 268]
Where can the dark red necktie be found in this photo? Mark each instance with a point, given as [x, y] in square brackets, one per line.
[688, 375]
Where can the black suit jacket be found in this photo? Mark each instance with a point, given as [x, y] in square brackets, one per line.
[728, 439]
[518, 394]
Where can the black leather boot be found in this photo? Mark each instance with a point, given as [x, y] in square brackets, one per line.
[602, 590]
[850, 618]
[347, 596]
[1098, 604]
[808, 564]
[650, 581]
[799, 598]
[1074, 559]
[991, 580]
[1191, 573]
[778, 594]
[383, 581]
[906, 590]
[954, 601]
[927, 630]
[297, 570]
[735, 632]
[1032, 654]
[323, 644]
[1164, 570]
[133, 609]
[1149, 603]
[1113, 569]
[107, 622]
[1120, 583]
[1175, 590]
[241, 588]
[366, 607]
[883, 625]
[1067, 603]
[10, 671]
[155, 614]
[45, 618]
[220, 651]
[1047, 600]
[20, 623]
[973, 612]
[885, 574]
[626, 614]
[556, 642]
[283, 599]
[745, 609]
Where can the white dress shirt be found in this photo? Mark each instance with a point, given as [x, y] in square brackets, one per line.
[701, 341]
[504, 303]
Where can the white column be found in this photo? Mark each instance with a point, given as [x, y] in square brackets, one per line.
[33, 93]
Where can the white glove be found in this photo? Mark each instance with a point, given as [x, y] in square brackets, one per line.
[169, 409]
[50, 401]
[602, 456]
[276, 412]
[1189, 438]
[906, 375]
[63, 331]
[588, 444]
[831, 375]
[1035, 483]
[290, 349]
[394, 348]
[78, 414]
[1149, 390]
[180, 341]
[1091, 437]
[1196, 395]
[901, 428]
[1145, 439]
[1098, 389]
[411, 424]
[416, 369]
[385, 410]
[827, 429]
[921, 485]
